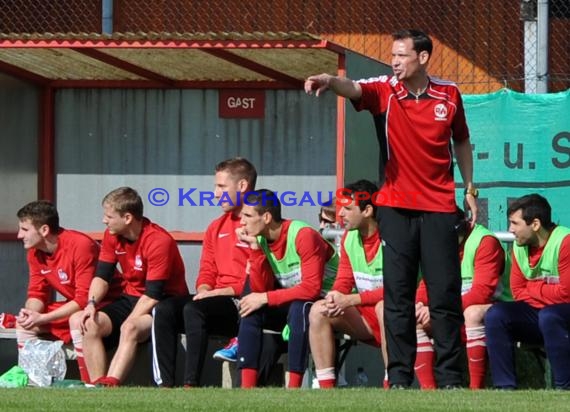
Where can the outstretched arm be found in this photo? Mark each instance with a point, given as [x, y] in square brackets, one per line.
[339, 85]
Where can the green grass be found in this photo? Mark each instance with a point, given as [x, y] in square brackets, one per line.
[276, 399]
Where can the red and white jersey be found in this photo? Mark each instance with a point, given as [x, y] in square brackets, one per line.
[153, 256]
[68, 270]
[415, 133]
[224, 257]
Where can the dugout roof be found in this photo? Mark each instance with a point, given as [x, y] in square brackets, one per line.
[168, 60]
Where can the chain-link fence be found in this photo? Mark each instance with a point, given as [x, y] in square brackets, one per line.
[50, 16]
[481, 44]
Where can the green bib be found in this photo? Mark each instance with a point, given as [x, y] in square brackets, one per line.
[546, 268]
[287, 270]
[367, 276]
[503, 291]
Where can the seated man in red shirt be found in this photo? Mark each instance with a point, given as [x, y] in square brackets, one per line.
[291, 265]
[540, 282]
[152, 269]
[59, 260]
[221, 277]
[360, 267]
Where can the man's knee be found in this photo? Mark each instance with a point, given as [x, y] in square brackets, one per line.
[192, 312]
[474, 315]
[75, 320]
[130, 331]
[316, 318]
[494, 316]
[549, 320]
[299, 310]
[379, 309]
[163, 312]
[92, 330]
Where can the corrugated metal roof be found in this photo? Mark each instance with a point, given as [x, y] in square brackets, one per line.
[163, 36]
[281, 60]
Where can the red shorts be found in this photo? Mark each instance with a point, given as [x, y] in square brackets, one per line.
[369, 315]
[58, 328]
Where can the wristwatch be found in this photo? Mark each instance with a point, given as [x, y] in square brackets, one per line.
[471, 190]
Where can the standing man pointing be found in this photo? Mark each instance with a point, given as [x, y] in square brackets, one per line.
[418, 118]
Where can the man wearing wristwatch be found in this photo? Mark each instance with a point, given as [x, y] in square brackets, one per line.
[418, 119]
[152, 270]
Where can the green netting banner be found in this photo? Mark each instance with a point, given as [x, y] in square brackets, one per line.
[521, 145]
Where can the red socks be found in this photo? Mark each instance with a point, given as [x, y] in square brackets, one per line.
[386, 381]
[83, 373]
[248, 378]
[326, 378]
[424, 361]
[476, 356]
[77, 339]
[327, 383]
[108, 381]
[295, 379]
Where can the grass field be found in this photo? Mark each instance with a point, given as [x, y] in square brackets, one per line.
[276, 399]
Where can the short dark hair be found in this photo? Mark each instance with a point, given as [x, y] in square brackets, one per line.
[422, 42]
[241, 168]
[125, 200]
[533, 206]
[40, 212]
[363, 186]
[264, 200]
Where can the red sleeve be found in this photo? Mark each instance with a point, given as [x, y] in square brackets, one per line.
[344, 281]
[370, 99]
[159, 257]
[489, 266]
[314, 252]
[371, 297]
[85, 263]
[107, 253]
[564, 267]
[421, 293]
[224, 257]
[208, 269]
[261, 278]
[236, 279]
[550, 294]
[38, 287]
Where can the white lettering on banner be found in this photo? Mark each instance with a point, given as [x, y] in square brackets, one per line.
[243, 102]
